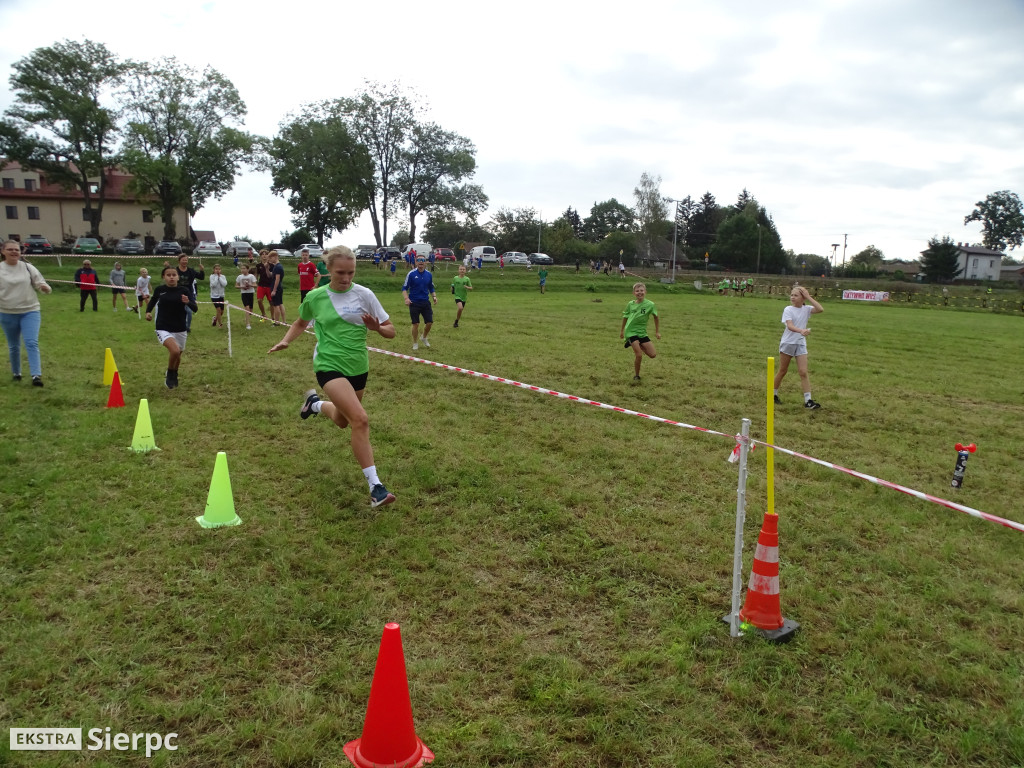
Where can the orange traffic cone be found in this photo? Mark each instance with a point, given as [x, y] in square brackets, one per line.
[762, 609]
[389, 738]
[116, 399]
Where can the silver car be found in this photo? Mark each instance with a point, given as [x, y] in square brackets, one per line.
[208, 248]
[515, 257]
[315, 251]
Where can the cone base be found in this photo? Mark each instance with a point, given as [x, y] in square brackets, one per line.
[218, 524]
[142, 448]
[781, 635]
[420, 757]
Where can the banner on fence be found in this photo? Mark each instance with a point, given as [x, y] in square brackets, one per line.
[865, 295]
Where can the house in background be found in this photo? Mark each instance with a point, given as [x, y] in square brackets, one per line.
[1013, 273]
[910, 269]
[978, 263]
[32, 206]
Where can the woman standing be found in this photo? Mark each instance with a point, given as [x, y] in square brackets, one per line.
[19, 310]
[344, 313]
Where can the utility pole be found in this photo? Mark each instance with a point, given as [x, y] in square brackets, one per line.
[844, 251]
[834, 246]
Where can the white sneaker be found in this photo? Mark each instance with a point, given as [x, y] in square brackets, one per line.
[415, 346]
[426, 341]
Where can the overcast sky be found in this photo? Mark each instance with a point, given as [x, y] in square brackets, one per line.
[882, 120]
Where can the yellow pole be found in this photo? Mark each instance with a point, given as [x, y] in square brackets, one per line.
[771, 435]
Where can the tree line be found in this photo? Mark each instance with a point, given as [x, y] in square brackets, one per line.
[80, 111]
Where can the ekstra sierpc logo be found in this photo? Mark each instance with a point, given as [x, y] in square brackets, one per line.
[70, 739]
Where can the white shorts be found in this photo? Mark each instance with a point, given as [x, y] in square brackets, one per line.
[179, 337]
[794, 349]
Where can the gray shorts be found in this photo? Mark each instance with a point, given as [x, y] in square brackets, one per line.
[178, 336]
[794, 349]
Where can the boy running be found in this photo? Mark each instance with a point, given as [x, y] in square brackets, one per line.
[460, 285]
[172, 303]
[634, 327]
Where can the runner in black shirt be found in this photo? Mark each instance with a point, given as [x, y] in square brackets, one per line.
[173, 304]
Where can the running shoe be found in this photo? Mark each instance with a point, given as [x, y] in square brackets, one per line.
[426, 341]
[37, 381]
[777, 401]
[811, 405]
[307, 407]
[380, 495]
[415, 346]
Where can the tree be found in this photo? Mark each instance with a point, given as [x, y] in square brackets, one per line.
[428, 170]
[1002, 220]
[651, 212]
[870, 257]
[940, 262]
[572, 218]
[515, 229]
[381, 118]
[321, 165]
[703, 224]
[59, 124]
[747, 240]
[606, 217]
[446, 231]
[296, 239]
[179, 142]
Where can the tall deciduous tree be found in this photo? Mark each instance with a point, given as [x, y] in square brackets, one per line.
[606, 217]
[320, 165]
[651, 212]
[870, 257]
[180, 142]
[1002, 220]
[940, 262]
[515, 229]
[429, 169]
[63, 123]
[381, 117]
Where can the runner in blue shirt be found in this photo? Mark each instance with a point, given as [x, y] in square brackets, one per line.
[417, 290]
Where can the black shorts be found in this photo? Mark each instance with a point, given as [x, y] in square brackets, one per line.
[423, 308]
[302, 295]
[641, 339]
[461, 301]
[358, 382]
[116, 291]
[277, 299]
[218, 303]
[247, 299]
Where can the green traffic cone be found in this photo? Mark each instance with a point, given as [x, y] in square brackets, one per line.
[142, 440]
[220, 506]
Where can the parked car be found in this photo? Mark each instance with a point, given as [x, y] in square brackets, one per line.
[126, 246]
[208, 248]
[515, 257]
[444, 254]
[389, 252]
[422, 249]
[484, 253]
[315, 251]
[364, 253]
[167, 248]
[283, 253]
[36, 244]
[241, 249]
[87, 245]
[541, 258]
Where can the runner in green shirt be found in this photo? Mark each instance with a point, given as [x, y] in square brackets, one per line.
[543, 276]
[634, 327]
[460, 285]
[344, 312]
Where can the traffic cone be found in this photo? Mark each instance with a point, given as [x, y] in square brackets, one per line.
[389, 738]
[762, 609]
[109, 368]
[142, 440]
[116, 399]
[220, 505]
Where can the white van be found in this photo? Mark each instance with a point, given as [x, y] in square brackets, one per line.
[485, 253]
[422, 249]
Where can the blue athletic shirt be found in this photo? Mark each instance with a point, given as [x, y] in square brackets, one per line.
[419, 285]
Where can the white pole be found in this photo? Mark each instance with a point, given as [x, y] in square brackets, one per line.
[741, 515]
[227, 312]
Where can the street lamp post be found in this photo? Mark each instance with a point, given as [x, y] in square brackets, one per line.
[675, 234]
[758, 248]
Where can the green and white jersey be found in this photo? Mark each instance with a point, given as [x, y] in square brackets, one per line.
[459, 284]
[340, 332]
[636, 317]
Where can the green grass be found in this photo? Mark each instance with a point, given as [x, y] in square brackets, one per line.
[559, 570]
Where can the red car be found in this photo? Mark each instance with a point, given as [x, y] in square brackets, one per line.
[444, 254]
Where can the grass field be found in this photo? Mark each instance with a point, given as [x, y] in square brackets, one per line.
[559, 571]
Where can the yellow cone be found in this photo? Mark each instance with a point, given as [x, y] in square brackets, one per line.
[143, 440]
[220, 506]
[109, 366]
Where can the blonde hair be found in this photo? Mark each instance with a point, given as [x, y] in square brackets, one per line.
[338, 252]
[144, 272]
[637, 285]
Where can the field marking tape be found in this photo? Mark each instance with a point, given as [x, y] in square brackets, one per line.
[586, 401]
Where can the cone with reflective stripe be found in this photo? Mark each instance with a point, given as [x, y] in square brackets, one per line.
[389, 737]
[762, 609]
[109, 367]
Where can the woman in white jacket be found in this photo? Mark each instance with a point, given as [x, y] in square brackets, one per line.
[19, 310]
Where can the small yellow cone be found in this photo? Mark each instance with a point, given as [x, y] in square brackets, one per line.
[142, 440]
[220, 505]
[109, 368]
